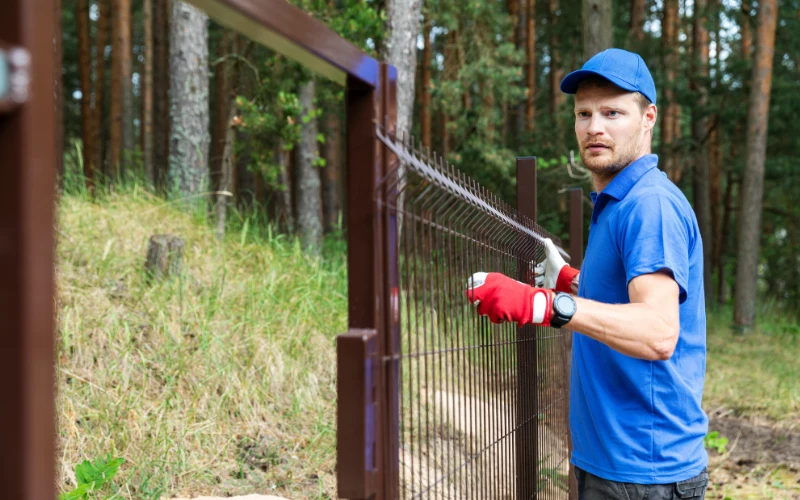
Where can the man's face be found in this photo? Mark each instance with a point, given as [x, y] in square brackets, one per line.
[611, 128]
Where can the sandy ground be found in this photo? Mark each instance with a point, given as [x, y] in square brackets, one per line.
[246, 497]
[455, 459]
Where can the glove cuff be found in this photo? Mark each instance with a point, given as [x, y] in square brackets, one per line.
[565, 277]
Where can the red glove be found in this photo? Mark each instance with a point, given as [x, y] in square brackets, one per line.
[504, 299]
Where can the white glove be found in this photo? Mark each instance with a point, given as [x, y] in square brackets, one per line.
[548, 271]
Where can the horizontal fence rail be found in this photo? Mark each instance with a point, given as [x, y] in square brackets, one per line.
[480, 409]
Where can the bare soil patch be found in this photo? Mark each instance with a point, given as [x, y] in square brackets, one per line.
[762, 460]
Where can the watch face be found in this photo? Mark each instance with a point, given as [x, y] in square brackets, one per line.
[565, 305]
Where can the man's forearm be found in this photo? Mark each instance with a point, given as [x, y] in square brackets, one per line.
[639, 330]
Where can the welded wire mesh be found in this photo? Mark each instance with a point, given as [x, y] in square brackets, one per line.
[482, 407]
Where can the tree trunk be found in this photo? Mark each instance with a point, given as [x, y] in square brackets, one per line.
[188, 90]
[161, 29]
[530, 58]
[513, 10]
[449, 71]
[425, 111]
[715, 161]
[669, 39]
[147, 93]
[309, 208]
[723, 239]
[556, 96]
[702, 205]
[99, 114]
[219, 130]
[636, 33]
[598, 31]
[752, 188]
[488, 110]
[85, 76]
[715, 191]
[517, 119]
[115, 141]
[332, 171]
[746, 31]
[121, 87]
[223, 192]
[466, 97]
[400, 49]
[283, 207]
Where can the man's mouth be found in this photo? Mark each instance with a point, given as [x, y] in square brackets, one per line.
[596, 147]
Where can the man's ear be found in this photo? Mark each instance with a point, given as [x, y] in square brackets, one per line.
[649, 116]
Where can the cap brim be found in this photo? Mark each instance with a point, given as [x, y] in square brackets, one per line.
[569, 85]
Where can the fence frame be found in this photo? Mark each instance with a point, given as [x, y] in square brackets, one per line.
[367, 392]
[27, 423]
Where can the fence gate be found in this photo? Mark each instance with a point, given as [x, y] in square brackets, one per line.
[433, 402]
[461, 408]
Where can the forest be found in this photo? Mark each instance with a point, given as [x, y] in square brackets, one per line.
[153, 89]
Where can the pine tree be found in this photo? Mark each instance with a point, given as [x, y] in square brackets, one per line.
[188, 95]
[752, 190]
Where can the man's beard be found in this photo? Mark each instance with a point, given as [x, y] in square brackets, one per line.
[605, 167]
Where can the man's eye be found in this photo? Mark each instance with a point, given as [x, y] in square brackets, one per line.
[613, 114]
[583, 114]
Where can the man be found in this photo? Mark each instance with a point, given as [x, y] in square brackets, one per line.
[638, 359]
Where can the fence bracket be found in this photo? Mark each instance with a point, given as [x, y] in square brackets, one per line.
[15, 79]
[356, 420]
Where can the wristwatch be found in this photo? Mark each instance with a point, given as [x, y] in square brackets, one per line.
[564, 308]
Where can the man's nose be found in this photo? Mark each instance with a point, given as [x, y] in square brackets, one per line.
[595, 125]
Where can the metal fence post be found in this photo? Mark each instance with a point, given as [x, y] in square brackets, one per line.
[576, 259]
[28, 149]
[359, 451]
[527, 407]
[576, 227]
[390, 292]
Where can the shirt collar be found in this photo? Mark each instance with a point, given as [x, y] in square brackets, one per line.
[624, 181]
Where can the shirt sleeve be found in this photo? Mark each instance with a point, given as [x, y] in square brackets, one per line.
[656, 237]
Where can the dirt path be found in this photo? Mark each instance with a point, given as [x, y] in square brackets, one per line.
[762, 459]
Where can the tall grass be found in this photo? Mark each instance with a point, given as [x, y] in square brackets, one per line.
[219, 381]
[755, 374]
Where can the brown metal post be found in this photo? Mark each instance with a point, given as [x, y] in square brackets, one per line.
[527, 432]
[576, 259]
[390, 293]
[359, 445]
[576, 227]
[27, 424]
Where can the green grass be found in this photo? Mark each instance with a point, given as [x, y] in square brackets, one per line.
[754, 374]
[221, 381]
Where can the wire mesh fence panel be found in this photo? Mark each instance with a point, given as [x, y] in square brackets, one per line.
[482, 407]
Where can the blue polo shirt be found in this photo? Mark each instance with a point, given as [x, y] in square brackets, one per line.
[634, 420]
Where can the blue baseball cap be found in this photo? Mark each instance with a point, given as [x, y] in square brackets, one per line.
[622, 68]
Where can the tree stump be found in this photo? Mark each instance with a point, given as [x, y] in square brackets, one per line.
[164, 254]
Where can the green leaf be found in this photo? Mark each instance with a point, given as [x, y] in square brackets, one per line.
[320, 138]
[98, 473]
[79, 493]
